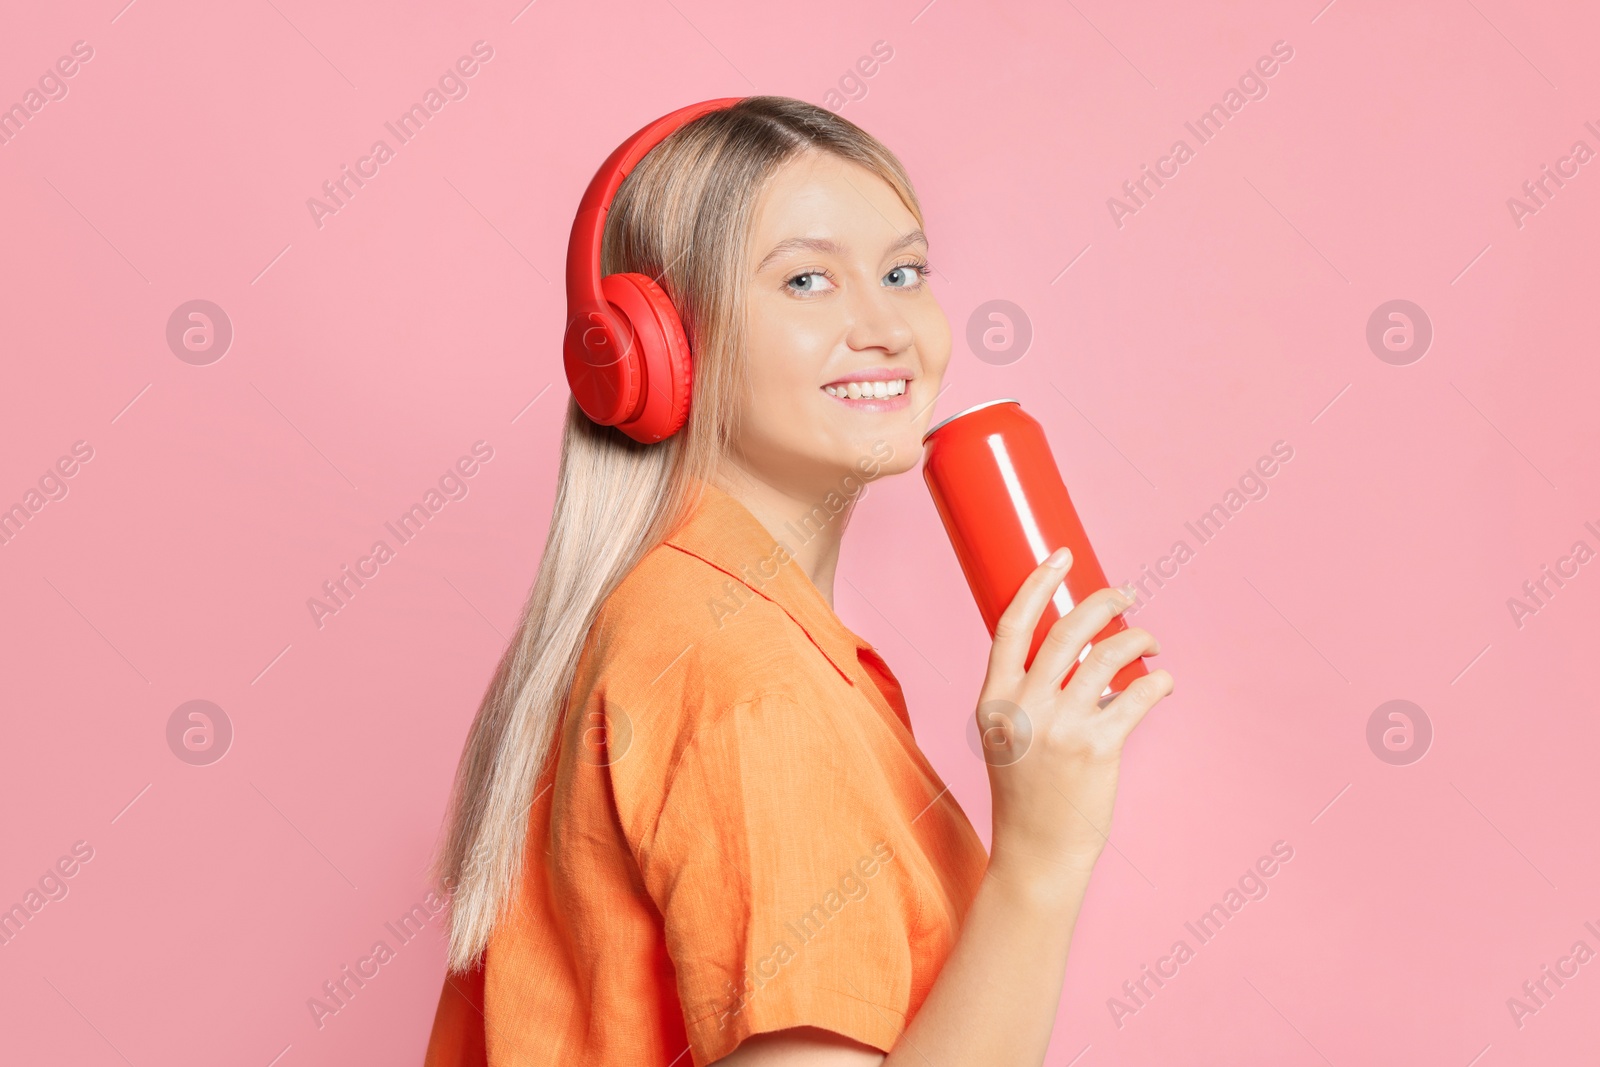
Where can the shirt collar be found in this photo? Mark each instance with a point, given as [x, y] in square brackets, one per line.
[722, 531]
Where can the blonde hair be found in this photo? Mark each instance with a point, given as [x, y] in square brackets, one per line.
[683, 217]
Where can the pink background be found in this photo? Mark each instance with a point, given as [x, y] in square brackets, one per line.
[1229, 313]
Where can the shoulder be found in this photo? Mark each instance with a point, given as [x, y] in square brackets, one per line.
[680, 653]
[679, 634]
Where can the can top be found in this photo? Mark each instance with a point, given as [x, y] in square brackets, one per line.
[967, 411]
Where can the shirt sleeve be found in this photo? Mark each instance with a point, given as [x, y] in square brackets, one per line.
[774, 864]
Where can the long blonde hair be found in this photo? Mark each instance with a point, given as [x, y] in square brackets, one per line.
[683, 217]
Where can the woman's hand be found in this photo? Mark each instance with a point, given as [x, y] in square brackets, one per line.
[1053, 753]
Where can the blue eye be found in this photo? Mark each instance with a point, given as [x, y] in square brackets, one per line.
[809, 277]
[908, 275]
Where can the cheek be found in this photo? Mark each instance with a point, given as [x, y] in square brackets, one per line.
[932, 331]
[789, 350]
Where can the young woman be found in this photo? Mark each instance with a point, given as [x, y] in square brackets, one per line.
[691, 824]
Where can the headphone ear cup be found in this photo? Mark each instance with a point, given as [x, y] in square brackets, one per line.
[660, 351]
[602, 372]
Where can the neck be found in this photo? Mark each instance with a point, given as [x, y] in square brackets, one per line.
[797, 517]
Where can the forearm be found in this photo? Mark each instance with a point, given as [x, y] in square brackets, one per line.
[994, 1003]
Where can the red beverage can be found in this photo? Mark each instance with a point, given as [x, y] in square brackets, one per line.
[1005, 506]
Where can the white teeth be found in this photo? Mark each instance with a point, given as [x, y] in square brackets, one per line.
[868, 390]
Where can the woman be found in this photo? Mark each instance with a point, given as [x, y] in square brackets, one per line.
[691, 824]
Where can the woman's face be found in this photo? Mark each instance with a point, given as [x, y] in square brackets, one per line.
[838, 294]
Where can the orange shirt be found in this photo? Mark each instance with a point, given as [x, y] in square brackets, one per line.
[738, 832]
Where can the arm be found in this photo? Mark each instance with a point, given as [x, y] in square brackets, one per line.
[995, 1000]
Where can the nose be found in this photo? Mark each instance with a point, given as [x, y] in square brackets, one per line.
[876, 321]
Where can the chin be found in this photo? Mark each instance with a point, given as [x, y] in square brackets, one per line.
[907, 453]
[881, 455]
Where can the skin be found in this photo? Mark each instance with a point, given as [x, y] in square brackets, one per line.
[995, 1000]
[864, 305]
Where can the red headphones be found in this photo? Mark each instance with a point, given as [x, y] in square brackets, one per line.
[627, 360]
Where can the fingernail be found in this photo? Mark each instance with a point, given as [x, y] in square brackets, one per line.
[1127, 590]
[1058, 557]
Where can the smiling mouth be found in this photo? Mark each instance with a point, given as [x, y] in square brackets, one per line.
[879, 390]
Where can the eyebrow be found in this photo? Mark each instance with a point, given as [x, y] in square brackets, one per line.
[822, 244]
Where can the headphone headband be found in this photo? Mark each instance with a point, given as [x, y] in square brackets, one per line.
[583, 248]
[625, 353]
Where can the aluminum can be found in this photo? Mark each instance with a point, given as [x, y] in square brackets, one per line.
[1005, 506]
